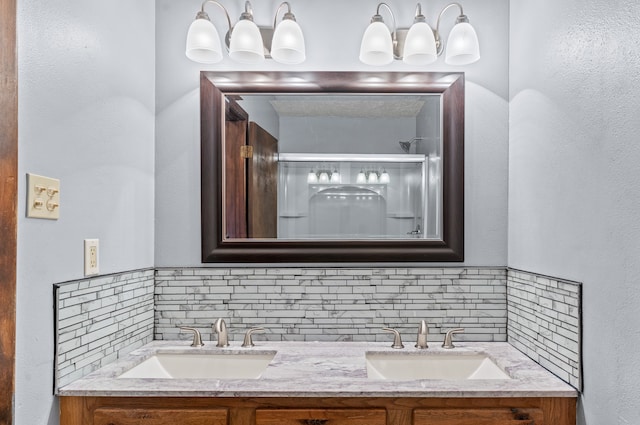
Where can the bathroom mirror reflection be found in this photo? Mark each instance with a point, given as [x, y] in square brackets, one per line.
[332, 166]
[349, 166]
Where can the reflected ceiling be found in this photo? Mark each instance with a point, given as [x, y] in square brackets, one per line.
[349, 106]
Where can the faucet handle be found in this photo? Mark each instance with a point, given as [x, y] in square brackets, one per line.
[197, 339]
[448, 338]
[423, 332]
[397, 339]
[248, 342]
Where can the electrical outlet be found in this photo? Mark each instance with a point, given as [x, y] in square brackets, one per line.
[91, 264]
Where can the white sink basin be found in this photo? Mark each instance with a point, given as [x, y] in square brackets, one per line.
[206, 366]
[405, 367]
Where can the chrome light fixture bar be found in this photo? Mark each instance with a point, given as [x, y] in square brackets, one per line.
[419, 44]
[246, 42]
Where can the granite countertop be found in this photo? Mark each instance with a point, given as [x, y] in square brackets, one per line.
[323, 369]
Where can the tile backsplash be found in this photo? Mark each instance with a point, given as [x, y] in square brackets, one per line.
[332, 304]
[545, 322]
[100, 319]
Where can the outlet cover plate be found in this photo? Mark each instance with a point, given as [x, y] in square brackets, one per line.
[91, 257]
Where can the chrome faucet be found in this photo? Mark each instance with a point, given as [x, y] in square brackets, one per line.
[248, 342]
[397, 339]
[220, 328]
[423, 332]
[197, 339]
[448, 338]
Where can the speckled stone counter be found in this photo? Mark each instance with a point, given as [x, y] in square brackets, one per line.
[323, 369]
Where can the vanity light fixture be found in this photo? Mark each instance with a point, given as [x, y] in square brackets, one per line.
[287, 43]
[246, 41]
[420, 44]
[377, 43]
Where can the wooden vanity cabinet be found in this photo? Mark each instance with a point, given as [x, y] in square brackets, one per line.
[321, 417]
[150, 416]
[316, 411]
[500, 416]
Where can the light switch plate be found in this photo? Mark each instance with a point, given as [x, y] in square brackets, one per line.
[43, 197]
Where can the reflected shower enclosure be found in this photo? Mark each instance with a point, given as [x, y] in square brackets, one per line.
[347, 211]
[358, 196]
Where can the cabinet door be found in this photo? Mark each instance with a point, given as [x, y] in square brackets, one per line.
[490, 416]
[321, 417]
[105, 416]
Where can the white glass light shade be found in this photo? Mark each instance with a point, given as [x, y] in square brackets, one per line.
[324, 177]
[373, 177]
[384, 177]
[361, 178]
[335, 177]
[287, 45]
[246, 42]
[203, 42]
[462, 45]
[420, 45]
[312, 177]
[376, 47]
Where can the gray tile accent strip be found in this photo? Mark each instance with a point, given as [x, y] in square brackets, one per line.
[332, 304]
[100, 319]
[544, 322]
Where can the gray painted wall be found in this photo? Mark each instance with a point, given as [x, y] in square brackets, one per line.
[86, 116]
[573, 95]
[86, 96]
[573, 183]
[178, 127]
[344, 135]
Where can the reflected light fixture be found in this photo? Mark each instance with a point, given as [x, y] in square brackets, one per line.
[335, 176]
[372, 177]
[312, 177]
[384, 177]
[419, 44]
[246, 42]
[324, 177]
[361, 178]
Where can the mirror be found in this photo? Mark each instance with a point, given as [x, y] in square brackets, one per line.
[332, 166]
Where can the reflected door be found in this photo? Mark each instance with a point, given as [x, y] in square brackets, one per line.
[235, 180]
[262, 202]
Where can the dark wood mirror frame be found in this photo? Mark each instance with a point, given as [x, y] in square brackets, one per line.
[214, 86]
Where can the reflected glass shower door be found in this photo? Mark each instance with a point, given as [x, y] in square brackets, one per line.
[347, 211]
